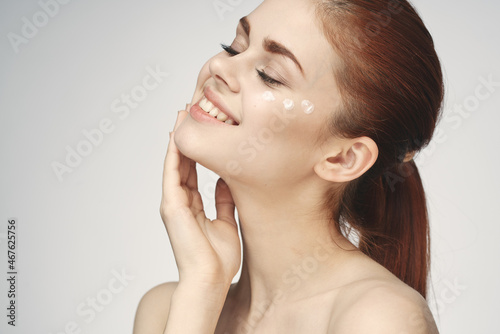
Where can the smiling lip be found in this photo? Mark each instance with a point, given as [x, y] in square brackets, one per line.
[212, 97]
[202, 116]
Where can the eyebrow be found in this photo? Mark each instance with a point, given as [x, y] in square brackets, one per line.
[272, 46]
[277, 48]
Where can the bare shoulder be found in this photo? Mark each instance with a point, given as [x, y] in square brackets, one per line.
[385, 306]
[152, 312]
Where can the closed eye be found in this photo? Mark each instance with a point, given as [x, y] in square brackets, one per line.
[264, 77]
[229, 50]
[267, 79]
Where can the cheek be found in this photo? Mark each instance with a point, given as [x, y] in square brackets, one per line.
[307, 107]
[276, 118]
[289, 104]
[266, 115]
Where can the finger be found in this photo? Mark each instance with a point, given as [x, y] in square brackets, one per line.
[186, 165]
[224, 203]
[173, 159]
[180, 117]
[171, 175]
[192, 181]
[183, 163]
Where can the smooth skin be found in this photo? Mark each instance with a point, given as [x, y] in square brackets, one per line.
[299, 274]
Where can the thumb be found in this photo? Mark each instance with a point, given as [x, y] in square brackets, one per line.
[224, 203]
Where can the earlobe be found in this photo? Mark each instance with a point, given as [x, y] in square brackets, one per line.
[347, 160]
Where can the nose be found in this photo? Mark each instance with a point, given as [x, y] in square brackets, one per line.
[224, 71]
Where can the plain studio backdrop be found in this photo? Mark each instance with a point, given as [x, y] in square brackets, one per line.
[88, 93]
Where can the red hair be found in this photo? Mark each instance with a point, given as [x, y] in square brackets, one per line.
[391, 88]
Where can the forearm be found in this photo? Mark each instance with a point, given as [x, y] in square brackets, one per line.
[195, 309]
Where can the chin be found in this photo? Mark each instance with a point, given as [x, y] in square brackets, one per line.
[194, 146]
[188, 141]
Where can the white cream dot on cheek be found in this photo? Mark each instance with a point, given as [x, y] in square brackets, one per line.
[288, 104]
[268, 96]
[307, 106]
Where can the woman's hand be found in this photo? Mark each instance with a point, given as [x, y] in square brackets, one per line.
[207, 252]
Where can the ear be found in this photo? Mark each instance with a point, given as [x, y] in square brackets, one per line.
[346, 160]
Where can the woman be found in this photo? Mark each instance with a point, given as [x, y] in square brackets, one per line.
[311, 117]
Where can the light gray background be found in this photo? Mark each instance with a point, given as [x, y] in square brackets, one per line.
[103, 216]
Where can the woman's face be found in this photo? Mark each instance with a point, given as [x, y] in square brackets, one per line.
[277, 83]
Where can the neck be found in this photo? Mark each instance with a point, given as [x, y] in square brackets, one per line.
[290, 246]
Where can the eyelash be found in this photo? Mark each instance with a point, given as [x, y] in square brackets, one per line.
[229, 50]
[264, 77]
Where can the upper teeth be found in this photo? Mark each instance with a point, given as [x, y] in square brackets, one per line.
[208, 107]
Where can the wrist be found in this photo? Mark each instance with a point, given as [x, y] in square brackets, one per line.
[213, 291]
[201, 282]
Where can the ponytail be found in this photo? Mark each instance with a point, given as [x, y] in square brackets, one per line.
[391, 86]
[394, 229]
[388, 211]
